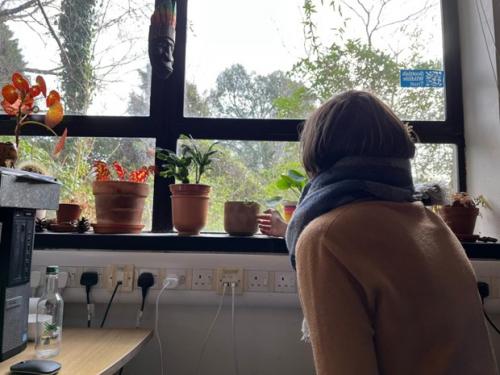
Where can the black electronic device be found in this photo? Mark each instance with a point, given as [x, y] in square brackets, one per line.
[21, 194]
[35, 367]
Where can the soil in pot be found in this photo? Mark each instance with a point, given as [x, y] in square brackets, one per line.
[68, 213]
[461, 220]
[119, 206]
[189, 207]
[240, 218]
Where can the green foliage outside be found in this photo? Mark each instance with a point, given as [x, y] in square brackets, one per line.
[241, 170]
[11, 58]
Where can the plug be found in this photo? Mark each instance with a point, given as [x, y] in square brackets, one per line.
[35, 280]
[63, 280]
[88, 280]
[145, 281]
[171, 282]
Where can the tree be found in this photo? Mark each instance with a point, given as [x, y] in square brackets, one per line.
[138, 101]
[195, 104]
[11, 58]
[77, 26]
[242, 94]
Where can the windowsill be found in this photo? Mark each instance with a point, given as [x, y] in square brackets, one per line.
[147, 241]
[206, 242]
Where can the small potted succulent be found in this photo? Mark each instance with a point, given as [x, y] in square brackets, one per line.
[461, 214]
[293, 181]
[189, 200]
[119, 197]
[19, 100]
[240, 218]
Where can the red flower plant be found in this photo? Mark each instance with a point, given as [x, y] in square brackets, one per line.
[19, 101]
[104, 173]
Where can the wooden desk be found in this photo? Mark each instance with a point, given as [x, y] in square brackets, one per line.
[92, 351]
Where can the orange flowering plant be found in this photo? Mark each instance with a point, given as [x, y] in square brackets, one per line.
[104, 173]
[19, 100]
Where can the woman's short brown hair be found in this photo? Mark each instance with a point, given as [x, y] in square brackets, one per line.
[354, 123]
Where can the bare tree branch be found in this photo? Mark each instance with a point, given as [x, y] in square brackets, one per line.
[8, 13]
[54, 71]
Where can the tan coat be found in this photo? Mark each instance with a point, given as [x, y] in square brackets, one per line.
[387, 289]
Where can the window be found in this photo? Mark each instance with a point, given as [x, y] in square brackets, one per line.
[294, 60]
[246, 73]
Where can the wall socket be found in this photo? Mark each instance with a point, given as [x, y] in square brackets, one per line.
[285, 282]
[203, 279]
[182, 274]
[257, 281]
[123, 273]
[229, 275]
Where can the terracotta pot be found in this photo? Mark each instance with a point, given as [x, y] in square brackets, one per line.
[461, 220]
[189, 207]
[288, 210]
[119, 206]
[240, 218]
[68, 212]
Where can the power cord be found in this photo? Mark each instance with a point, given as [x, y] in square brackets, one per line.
[145, 281]
[233, 328]
[484, 292]
[88, 280]
[109, 303]
[212, 325]
[168, 283]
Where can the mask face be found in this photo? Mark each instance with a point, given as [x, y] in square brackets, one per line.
[161, 53]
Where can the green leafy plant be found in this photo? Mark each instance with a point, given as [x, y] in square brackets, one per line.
[190, 157]
[293, 181]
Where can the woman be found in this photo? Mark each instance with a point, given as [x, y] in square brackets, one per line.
[384, 284]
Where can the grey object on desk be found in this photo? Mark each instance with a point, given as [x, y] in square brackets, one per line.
[36, 367]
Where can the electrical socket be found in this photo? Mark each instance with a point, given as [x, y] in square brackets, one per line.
[285, 282]
[203, 279]
[73, 276]
[257, 281]
[123, 273]
[182, 274]
[229, 275]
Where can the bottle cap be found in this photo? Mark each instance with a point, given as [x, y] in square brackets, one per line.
[52, 270]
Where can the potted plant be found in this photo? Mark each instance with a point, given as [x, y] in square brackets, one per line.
[462, 213]
[240, 218]
[119, 201]
[19, 100]
[293, 181]
[189, 200]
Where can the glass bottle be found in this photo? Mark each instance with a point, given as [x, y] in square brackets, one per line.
[49, 317]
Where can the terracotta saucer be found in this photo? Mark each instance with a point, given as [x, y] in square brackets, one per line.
[62, 228]
[117, 228]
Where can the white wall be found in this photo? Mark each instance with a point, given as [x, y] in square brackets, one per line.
[267, 324]
[481, 110]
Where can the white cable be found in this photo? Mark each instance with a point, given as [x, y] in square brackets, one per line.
[169, 283]
[212, 325]
[233, 329]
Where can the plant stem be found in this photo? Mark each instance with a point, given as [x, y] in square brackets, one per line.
[35, 123]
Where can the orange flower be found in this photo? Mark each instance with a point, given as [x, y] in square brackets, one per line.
[54, 115]
[41, 83]
[53, 98]
[60, 145]
[11, 109]
[10, 94]
[20, 82]
[34, 91]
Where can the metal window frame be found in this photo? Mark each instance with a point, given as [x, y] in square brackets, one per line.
[166, 120]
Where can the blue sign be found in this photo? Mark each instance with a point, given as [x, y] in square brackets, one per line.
[421, 78]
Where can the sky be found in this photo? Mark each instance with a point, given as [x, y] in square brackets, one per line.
[262, 35]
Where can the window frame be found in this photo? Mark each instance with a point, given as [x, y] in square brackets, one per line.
[166, 123]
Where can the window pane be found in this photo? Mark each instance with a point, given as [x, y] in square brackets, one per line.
[73, 167]
[102, 68]
[281, 58]
[246, 170]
